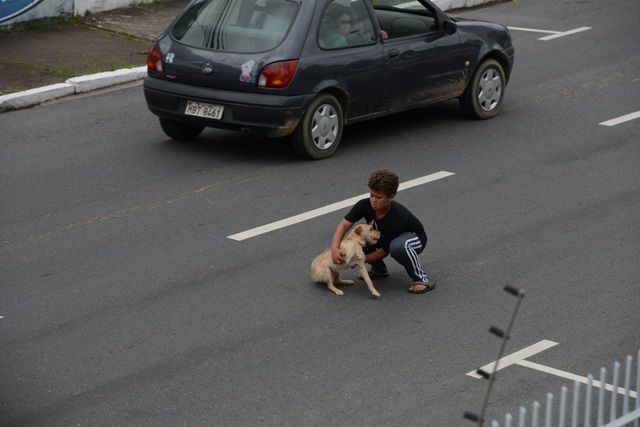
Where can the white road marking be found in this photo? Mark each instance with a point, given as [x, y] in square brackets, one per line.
[621, 119]
[519, 358]
[565, 33]
[570, 376]
[330, 208]
[514, 358]
[553, 34]
[532, 30]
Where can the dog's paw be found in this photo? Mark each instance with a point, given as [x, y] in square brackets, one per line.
[347, 282]
[376, 294]
[338, 292]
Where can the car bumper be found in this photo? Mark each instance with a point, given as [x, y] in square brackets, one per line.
[265, 115]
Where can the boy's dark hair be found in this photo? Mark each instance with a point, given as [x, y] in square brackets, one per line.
[385, 181]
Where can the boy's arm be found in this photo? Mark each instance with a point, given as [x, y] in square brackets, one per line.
[337, 255]
[375, 256]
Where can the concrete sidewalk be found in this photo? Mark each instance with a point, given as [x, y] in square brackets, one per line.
[51, 61]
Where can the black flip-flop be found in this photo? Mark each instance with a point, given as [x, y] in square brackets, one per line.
[428, 287]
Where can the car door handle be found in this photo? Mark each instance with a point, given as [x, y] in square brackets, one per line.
[393, 53]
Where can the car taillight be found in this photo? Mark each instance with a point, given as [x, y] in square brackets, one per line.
[278, 74]
[154, 59]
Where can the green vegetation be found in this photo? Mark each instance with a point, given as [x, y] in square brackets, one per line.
[46, 24]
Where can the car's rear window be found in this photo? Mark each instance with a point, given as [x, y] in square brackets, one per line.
[242, 26]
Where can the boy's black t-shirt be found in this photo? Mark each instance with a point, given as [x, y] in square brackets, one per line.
[397, 221]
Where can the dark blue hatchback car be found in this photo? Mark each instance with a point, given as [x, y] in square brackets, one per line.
[302, 68]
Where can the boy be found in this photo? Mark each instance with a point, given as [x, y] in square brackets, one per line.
[403, 236]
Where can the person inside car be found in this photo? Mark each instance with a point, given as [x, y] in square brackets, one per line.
[338, 21]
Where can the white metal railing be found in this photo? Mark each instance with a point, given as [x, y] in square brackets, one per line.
[581, 412]
[588, 412]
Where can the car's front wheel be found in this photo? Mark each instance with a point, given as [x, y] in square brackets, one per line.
[483, 96]
[180, 130]
[318, 133]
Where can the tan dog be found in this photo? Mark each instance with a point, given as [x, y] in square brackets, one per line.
[323, 270]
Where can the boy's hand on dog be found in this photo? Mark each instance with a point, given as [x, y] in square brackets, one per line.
[337, 256]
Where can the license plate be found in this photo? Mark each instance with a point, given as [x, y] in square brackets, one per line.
[201, 109]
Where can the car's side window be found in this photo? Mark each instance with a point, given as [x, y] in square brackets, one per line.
[345, 24]
[403, 20]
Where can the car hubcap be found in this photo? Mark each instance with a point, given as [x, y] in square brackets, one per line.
[489, 90]
[324, 127]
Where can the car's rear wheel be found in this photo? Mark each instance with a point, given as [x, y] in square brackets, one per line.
[483, 96]
[180, 130]
[318, 133]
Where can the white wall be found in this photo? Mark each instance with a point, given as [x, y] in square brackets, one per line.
[81, 7]
[44, 9]
[61, 8]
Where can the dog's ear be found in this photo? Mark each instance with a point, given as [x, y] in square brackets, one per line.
[358, 230]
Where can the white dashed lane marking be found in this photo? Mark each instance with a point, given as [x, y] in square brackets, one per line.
[330, 208]
[621, 119]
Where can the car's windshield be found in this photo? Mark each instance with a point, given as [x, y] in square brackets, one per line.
[243, 26]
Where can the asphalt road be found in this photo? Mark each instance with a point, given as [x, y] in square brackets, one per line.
[124, 302]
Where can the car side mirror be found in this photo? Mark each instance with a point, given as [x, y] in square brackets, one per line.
[449, 27]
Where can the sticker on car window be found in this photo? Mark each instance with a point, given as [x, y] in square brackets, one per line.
[248, 74]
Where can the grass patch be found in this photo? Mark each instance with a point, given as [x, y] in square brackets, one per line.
[148, 6]
[46, 24]
[67, 71]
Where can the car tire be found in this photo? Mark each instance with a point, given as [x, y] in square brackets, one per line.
[320, 129]
[180, 130]
[483, 96]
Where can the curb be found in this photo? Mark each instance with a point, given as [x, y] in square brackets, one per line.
[72, 86]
